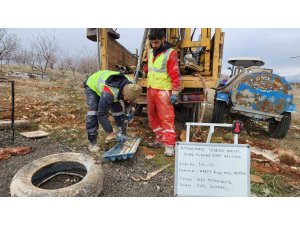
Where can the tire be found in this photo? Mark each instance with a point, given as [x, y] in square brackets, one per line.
[25, 182]
[279, 129]
[181, 113]
[193, 115]
[219, 111]
[184, 112]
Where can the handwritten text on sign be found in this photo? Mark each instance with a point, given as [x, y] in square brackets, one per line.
[212, 169]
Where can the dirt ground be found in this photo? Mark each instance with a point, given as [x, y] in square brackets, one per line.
[117, 178]
[58, 107]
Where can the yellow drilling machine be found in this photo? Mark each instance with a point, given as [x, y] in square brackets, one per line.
[200, 53]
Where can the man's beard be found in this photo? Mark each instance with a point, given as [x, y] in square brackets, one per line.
[157, 50]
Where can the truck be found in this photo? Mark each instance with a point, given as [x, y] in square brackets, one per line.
[254, 92]
[200, 62]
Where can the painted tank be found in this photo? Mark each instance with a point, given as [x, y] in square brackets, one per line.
[256, 93]
[261, 92]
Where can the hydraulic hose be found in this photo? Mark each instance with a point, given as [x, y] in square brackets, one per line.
[138, 66]
[203, 107]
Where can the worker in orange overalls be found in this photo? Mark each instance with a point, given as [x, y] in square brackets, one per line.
[162, 90]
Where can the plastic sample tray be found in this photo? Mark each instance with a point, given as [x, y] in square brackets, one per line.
[123, 151]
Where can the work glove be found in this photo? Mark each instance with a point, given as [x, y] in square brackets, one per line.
[122, 129]
[128, 117]
[140, 73]
[121, 138]
[174, 97]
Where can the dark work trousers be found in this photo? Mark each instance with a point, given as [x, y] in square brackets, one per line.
[98, 114]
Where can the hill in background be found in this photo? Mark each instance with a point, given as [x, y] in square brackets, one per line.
[293, 78]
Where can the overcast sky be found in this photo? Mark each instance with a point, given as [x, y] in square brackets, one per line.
[274, 46]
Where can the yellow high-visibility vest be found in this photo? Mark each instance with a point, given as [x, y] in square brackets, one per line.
[158, 77]
[96, 82]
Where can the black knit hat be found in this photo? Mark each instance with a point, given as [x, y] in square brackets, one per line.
[157, 33]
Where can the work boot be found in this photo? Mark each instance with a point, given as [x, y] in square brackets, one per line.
[155, 144]
[93, 147]
[169, 151]
[110, 138]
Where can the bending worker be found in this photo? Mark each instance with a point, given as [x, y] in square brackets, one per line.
[162, 90]
[104, 90]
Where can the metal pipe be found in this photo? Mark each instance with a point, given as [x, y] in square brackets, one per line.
[236, 139]
[99, 49]
[138, 66]
[203, 106]
[211, 130]
[188, 127]
[13, 109]
[209, 124]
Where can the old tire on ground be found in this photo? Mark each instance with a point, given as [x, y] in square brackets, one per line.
[279, 129]
[219, 111]
[26, 180]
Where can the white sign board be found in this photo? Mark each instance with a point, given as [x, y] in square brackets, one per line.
[212, 169]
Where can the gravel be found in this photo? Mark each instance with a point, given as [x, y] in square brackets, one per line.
[117, 175]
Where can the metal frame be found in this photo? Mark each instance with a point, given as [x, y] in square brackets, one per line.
[256, 114]
[210, 59]
[12, 109]
[211, 130]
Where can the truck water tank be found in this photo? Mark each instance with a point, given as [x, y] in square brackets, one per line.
[261, 91]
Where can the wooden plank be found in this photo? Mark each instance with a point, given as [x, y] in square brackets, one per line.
[104, 53]
[221, 53]
[17, 123]
[35, 134]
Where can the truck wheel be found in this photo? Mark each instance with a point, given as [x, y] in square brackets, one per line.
[27, 181]
[279, 129]
[182, 113]
[193, 112]
[219, 111]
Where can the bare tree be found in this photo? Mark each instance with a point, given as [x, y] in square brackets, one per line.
[52, 61]
[19, 58]
[63, 61]
[23, 57]
[63, 68]
[72, 63]
[43, 50]
[8, 57]
[68, 63]
[8, 44]
[88, 62]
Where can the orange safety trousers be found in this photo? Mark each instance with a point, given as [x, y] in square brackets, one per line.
[161, 116]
